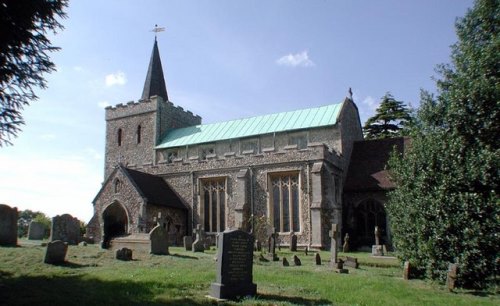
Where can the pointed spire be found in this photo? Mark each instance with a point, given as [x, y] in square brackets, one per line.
[155, 82]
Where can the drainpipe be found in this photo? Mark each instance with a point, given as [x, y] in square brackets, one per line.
[309, 200]
[192, 201]
[251, 199]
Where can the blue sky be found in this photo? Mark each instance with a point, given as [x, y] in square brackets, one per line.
[222, 60]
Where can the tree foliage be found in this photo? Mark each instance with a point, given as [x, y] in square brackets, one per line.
[24, 58]
[389, 120]
[446, 206]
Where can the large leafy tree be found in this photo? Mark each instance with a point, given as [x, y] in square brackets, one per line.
[389, 120]
[24, 58]
[446, 207]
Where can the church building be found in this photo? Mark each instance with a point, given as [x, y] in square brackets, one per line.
[301, 170]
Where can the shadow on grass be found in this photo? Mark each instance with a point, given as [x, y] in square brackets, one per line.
[295, 300]
[184, 256]
[84, 290]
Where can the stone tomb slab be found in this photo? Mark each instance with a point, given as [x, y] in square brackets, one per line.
[234, 274]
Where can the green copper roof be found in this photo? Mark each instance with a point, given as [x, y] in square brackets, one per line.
[240, 128]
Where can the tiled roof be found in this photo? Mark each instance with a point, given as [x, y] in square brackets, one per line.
[368, 161]
[155, 82]
[155, 189]
[240, 128]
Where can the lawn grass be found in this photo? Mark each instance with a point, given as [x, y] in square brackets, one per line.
[92, 276]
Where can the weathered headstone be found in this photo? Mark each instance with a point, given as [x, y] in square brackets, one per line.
[36, 231]
[351, 262]
[188, 242]
[333, 248]
[306, 250]
[65, 228]
[234, 276]
[124, 254]
[345, 247]
[272, 245]
[318, 259]
[285, 262]
[296, 260]
[293, 242]
[339, 267]
[377, 236]
[406, 270]
[452, 275]
[8, 225]
[199, 243]
[377, 249]
[159, 240]
[56, 252]
[258, 246]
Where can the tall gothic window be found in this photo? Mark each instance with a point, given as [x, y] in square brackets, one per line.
[138, 134]
[119, 137]
[213, 200]
[284, 208]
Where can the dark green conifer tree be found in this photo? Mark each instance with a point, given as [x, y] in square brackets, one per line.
[390, 119]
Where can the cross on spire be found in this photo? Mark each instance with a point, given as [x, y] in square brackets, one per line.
[157, 29]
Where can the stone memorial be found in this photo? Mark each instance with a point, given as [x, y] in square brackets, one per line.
[188, 242]
[351, 262]
[124, 254]
[8, 225]
[452, 276]
[318, 259]
[272, 246]
[406, 270]
[234, 275]
[377, 249]
[339, 267]
[56, 252]
[345, 247]
[285, 262]
[36, 230]
[296, 260]
[333, 248]
[199, 243]
[306, 250]
[293, 242]
[258, 246]
[65, 228]
[159, 240]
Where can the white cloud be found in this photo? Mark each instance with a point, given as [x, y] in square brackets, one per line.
[78, 68]
[296, 60]
[117, 78]
[371, 103]
[103, 104]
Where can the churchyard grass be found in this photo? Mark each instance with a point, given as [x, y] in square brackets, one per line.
[92, 276]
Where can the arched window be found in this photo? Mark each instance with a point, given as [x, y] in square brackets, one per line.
[119, 137]
[139, 134]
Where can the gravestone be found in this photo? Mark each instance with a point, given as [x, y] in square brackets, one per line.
[318, 259]
[452, 275]
[199, 243]
[285, 262]
[36, 231]
[351, 262]
[234, 275]
[272, 245]
[124, 254]
[306, 250]
[65, 228]
[377, 249]
[293, 242]
[345, 247]
[159, 240]
[296, 260]
[8, 225]
[333, 248]
[339, 267]
[406, 270]
[188, 242]
[258, 246]
[56, 252]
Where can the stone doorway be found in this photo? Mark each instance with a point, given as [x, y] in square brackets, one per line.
[368, 214]
[115, 223]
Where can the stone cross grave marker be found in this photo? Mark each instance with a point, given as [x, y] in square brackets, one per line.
[333, 249]
[56, 252]
[377, 249]
[65, 228]
[293, 242]
[36, 230]
[234, 274]
[8, 225]
[377, 235]
[198, 244]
